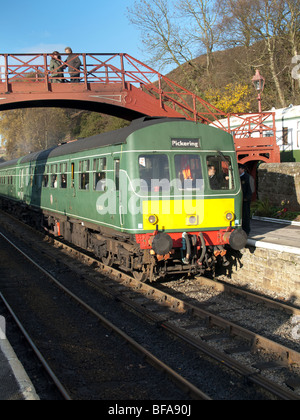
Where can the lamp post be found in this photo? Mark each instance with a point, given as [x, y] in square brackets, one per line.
[259, 83]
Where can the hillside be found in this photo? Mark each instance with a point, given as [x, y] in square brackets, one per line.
[236, 66]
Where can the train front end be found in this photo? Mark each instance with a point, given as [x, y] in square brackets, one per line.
[185, 186]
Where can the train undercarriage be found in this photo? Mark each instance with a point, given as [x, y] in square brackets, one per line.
[160, 258]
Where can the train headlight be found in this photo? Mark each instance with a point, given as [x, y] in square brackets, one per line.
[229, 215]
[192, 220]
[153, 219]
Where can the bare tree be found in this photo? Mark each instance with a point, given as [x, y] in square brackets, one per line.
[29, 130]
[204, 30]
[261, 21]
[292, 28]
[238, 21]
[269, 28]
[161, 35]
[176, 32]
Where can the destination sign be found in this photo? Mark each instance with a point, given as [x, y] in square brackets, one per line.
[186, 143]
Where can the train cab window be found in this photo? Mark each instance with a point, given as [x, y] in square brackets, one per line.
[188, 172]
[63, 175]
[220, 174]
[84, 175]
[99, 170]
[154, 173]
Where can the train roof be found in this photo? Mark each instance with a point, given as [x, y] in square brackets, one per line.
[100, 140]
[8, 163]
[105, 139]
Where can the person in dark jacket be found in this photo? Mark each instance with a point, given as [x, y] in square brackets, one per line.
[247, 196]
[56, 68]
[73, 63]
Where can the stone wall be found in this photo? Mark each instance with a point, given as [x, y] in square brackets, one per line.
[272, 272]
[280, 182]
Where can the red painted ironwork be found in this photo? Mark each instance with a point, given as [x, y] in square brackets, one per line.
[118, 84]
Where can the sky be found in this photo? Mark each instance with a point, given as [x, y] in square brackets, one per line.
[91, 26]
[87, 26]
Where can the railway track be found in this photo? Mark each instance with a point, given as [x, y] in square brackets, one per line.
[187, 388]
[199, 328]
[49, 372]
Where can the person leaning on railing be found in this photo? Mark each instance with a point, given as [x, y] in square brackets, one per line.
[56, 68]
[73, 63]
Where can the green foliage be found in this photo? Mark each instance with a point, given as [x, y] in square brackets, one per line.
[264, 208]
[92, 123]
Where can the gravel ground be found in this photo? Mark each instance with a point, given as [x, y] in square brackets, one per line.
[269, 322]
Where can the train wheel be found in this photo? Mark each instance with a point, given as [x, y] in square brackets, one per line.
[141, 276]
[108, 259]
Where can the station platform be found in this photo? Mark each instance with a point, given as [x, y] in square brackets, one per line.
[277, 235]
[15, 384]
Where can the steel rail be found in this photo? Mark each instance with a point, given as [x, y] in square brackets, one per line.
[38, 354]
[184, 384]
[223, 286]
[256, 341]
[259, 342]
[173, 303]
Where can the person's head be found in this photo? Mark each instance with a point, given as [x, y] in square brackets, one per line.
[241, 168]
[211, 170]
[55, 54]
[68, 50]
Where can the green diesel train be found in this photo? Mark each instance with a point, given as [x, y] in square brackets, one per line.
[160, 196]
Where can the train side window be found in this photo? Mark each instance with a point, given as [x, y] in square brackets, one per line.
[54, 176]
[31, 177]
[99, 170]
[46, 177]
[117, 174]
[63, 175]
[84, 175]
[21, 179]
[27, 177]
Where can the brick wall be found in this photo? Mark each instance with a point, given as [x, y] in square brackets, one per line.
[268, 270]
[280, 182]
